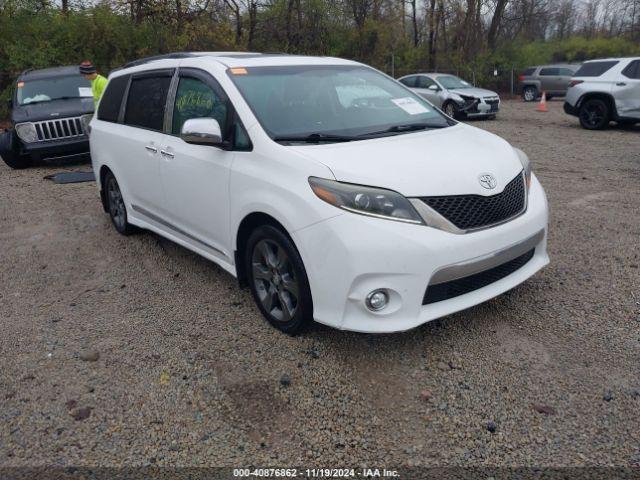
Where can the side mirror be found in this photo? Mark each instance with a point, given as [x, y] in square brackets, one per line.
[434, 88]
[202, 131]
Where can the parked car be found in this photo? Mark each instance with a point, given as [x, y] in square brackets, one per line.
[605, 90]
[456, 97]
[332, 191]
[553, 80]
[49, 111]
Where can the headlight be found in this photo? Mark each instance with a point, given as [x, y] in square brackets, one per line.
[373, 202]
[27, 132]
[526, 164]
[85, 120]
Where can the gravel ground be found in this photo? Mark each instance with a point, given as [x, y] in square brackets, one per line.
[133, 351]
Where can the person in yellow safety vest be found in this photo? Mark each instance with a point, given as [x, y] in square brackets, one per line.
[98, 82]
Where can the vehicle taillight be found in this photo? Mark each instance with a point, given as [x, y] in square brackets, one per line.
[573, 83]
[521, 78]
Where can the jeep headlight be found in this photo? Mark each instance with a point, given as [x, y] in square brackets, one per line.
[370, 201]
[526, 165]
[85, 120]
[27, 132]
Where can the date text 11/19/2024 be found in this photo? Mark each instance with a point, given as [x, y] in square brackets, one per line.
[315, 472]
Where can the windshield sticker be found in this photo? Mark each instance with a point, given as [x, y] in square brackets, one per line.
[20, 84]
[239, 71]
[85, 92]
[410, 106]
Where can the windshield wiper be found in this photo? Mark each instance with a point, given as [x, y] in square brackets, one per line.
[316, 138]
[410, 127]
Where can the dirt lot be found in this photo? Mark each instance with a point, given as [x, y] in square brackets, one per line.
[189, 374]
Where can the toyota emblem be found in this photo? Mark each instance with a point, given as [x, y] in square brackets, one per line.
[488, 181]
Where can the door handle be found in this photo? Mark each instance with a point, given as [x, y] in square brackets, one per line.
[621, 84]
[151, 148]
[166, 153]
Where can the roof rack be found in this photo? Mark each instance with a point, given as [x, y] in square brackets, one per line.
[142, 61]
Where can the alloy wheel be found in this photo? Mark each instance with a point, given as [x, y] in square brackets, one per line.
[529, 94]
[449, 109]
[274, 280]
[116, 204]
[592, 114]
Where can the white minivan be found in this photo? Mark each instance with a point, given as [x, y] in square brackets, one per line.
[331, 190]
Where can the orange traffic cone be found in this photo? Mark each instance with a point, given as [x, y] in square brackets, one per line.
[542, 106]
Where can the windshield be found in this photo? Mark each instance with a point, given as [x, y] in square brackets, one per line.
[453, 82]
[331, 100]
[47, 89]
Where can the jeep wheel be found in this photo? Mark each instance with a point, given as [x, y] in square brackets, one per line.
[17, 161]
[278, 280]
[594, 114]
[116, 206]
[529, 94]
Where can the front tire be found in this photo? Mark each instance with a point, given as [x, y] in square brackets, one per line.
[9, 151]
[278, 280]
[594, 114]
[116, 206]
[529, 94]
[450, 109]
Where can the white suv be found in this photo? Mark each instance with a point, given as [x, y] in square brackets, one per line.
[331, 190]
[605, 90]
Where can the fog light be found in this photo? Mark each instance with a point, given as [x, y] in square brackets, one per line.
[377, 300]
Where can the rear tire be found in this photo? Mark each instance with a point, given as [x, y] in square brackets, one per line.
[594, 114]
[116, 206]
[529, 94]
[278, 280]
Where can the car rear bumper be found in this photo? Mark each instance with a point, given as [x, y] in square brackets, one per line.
[570, 109]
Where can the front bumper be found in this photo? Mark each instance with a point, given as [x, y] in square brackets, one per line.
[56, 148]
[350, 255]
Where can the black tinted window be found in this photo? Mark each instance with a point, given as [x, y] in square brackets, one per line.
[409, 81]
[566, 72]
[146, 102]
[529, 71]
[594, 69]
[425, 82]
[196, 99]
[549, 71]
[632, 70]
[111, 100]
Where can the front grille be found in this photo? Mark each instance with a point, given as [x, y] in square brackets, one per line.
[468, 212]
[59, 129]
[455, 288]
[494, 103]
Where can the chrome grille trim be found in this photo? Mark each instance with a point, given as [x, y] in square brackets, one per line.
[59, 129]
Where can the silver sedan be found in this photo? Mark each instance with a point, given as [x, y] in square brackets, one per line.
[456, 97]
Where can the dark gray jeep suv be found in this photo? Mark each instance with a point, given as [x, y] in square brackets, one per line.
[50, 109]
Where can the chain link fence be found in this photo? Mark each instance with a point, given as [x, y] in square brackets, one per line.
[499, 79]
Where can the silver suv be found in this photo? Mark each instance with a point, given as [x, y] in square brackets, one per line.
[605, 90]
[553, 80]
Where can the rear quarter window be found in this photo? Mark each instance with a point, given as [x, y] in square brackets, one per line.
[409, 81]
[111, 100]
[528, 71]
[595, 69]
[549, 71]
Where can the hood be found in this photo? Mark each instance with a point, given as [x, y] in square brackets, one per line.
[434, 162]
[71, 107]
[473, 92]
